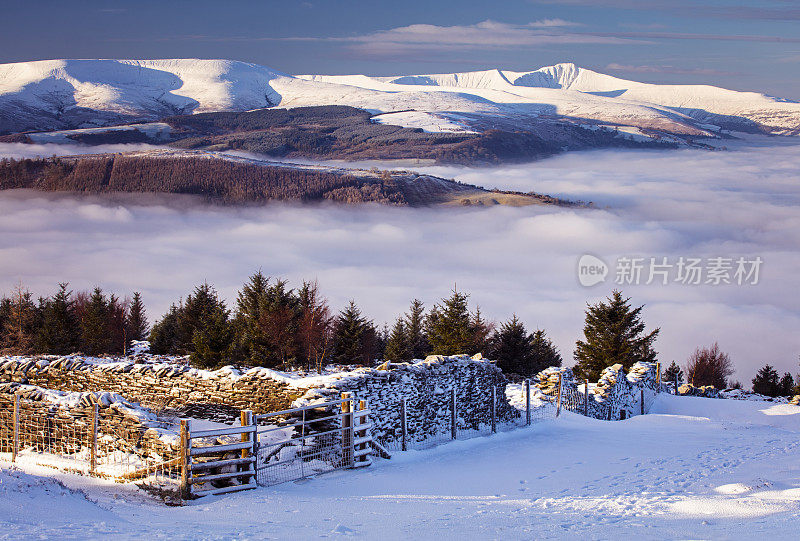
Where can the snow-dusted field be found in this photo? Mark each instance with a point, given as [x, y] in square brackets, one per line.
[698, 468]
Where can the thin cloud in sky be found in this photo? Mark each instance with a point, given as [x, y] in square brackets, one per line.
[415, 37]
[666, 69]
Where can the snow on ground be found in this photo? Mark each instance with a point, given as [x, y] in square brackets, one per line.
[692, 471]
[428, 122]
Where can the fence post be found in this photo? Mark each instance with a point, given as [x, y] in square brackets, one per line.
[452, 414]
[246, 419]
[642, 400]
[15, 450]
[658, 376]
[347, 430]
[558, 403]
[586, 398]
[403, 426]
[676, 384]
[93, 463]
[527, 401]
[362, 406]
[185, 450]
[494, 408]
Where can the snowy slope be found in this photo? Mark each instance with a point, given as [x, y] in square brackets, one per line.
[67, 94]
[577, 91]
[692, 474]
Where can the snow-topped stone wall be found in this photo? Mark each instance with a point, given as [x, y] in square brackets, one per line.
[427, 387]
[157, 385]
[616, 394]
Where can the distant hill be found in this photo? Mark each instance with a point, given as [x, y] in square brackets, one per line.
[234, 180]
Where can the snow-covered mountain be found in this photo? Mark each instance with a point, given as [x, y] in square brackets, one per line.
[66, 94]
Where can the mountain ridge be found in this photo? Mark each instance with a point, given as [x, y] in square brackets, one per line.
[62, 94]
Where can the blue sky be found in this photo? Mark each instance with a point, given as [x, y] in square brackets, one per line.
[745, 45]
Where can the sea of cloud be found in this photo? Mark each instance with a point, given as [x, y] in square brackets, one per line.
[744, 202]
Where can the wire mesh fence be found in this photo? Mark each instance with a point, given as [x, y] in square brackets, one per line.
[455, 421]
[89, 440]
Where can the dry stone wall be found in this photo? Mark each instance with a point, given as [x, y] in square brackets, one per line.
[615, 395]
[156, 385]
[426, 386]
[62, 423]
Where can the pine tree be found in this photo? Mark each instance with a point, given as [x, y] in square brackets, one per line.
[204, 328]
[767, 381]
[212, 339]
[614, 334]
[397, 343]
[673, 371]
[545, 353]
[350, 336]
[19, 329]
[314, 326]
[250, 303]
[117, 322]
[95, 328]
[415, 330]
[481, 331]
[165, 335]
[448, 326]
[512, 348]
[137, 325]
[279, 321]
[59, 331]
[520, 353]
[786, 385]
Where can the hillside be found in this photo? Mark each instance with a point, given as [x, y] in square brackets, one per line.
[75, 94]
[234, 180]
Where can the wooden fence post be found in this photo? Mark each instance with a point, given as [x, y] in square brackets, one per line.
[494, 408]
[185, 459]
[558, 402]
[362, 406]
[527, 401]
[403, 424]
[452, 414]
[658, 376]
[642, 401]
[15, 450]
[586, 398]
[246, 419]
[93, 462]
[347, 430]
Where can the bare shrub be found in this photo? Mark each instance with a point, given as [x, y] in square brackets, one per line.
[709, 366]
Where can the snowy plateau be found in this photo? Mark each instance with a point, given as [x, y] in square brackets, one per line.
[68, 94]
[695, 468]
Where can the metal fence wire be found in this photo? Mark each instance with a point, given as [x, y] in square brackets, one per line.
[455, 421]
[301, 442]
[89, 440]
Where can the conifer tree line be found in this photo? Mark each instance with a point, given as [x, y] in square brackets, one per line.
[91, 322]
[271, 324]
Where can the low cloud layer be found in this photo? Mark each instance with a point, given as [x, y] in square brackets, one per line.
[744, 202]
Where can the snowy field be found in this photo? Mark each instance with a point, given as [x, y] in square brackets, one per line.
[696, 469]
